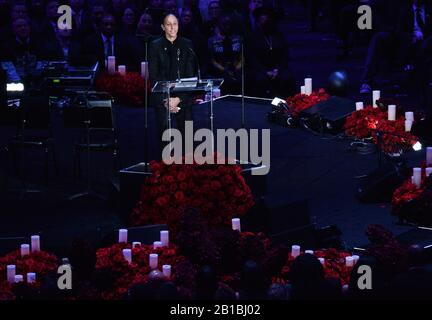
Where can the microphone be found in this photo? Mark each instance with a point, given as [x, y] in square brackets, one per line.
[197, 63]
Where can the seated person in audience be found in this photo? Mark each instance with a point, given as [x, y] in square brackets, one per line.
[49, 26]
[189, 30]
[193, 5]
[155, 9]
[225, 55]
[214, 12]
[80, 18]
[389, 41]
[235, 8]
[62, 47]
[251, 21]
[268, 54]
[117, 8]
[98, 47]
[23, 44]
[146, 33]
[170, 6]
[18, 10]
[128, 23]
[97, 11]
[37, 11]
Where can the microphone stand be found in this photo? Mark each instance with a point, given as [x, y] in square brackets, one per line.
[146, 140]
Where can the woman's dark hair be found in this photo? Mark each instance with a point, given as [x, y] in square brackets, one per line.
[166, 15]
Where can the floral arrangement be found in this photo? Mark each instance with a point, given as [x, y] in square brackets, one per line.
[128, 89]
[366, 123]
[301, 102]
[122, 276]
[412, 203]
[334, 265]
[41, 263]
[219, 192]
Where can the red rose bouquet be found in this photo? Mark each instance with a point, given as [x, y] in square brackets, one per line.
[124, 275]
[360, 124]
[41, 263]
[300, 102]
[219, 192]
[129, 89]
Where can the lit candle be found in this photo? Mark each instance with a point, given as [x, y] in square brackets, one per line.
[111, 64]
[136, 244]
[236, 225]
[295, 251]
[303, 90]
[309, 252]
[164, 238]
[321, 260]
[428, 172]
[11, 272]
[127, 254]
[166, 270]
[19, 278]
[122, 70]
[153, 261]
[356, 259]
[408, 125]
[144, 69]
[349, 261]
[31, 277]
[25, 250]
[429, 156]
[308, 86]
[409, 116]
[123, 236]
[359, 106]
[392, 112]
[35, 243]
[376, 95]
[157, 244]
[417, 172]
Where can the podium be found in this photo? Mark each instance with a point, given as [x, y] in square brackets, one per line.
[185, 86]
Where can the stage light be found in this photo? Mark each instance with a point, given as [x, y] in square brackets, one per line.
[276, 101]
[15, 87]
[417, 146]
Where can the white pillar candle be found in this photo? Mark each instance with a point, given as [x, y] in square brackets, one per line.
[392, 112]
[153, 261]
[408, 125]
[144, 69]
[11, 272]
[308, 86]
[295, 251]
[157, 244]
[25, 250]
[417, 177]
[122, 70]
[359, 106]
[136, 244]
[111, 64]
[166, 270]
[19, 278]
[127, 254]
[409, 116]
[303, 90]
[164, 238]
[31, 277]
[123, 236]
[35, 243]
[356, 259]
[236, 225]
[376, 95]
[429, 156]
[321, 260]
[309, 252]
[428, 172]
[349, 261]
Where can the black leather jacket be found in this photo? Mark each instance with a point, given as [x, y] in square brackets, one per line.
[169, 61]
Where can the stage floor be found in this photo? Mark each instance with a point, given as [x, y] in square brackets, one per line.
[304, 166]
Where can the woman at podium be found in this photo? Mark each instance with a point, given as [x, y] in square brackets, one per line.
[171, 58]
